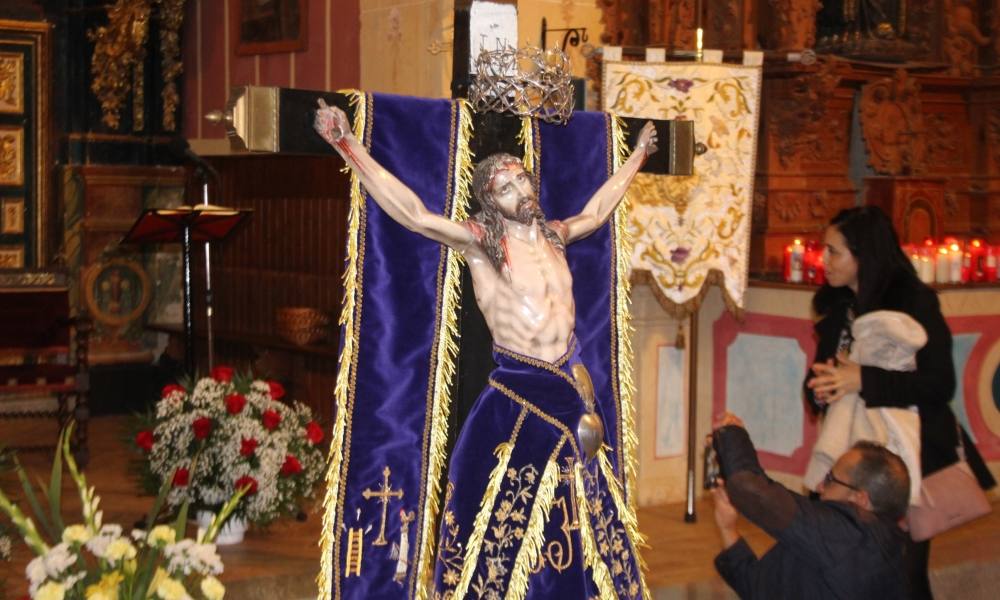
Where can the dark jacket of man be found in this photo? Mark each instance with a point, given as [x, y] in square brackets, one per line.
[824, 549]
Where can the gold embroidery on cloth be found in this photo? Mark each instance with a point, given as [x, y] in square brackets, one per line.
[477, 536]
[612, 539]
[534, 537]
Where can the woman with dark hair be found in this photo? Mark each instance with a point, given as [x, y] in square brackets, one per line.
[866, 270]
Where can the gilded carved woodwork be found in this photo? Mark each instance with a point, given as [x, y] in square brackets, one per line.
[943, 148]
[11, 83]
[798, 117]
[624, 24]
[793, 25]
[892, 124]
[11, 156]
[171, 17]
[961, 39]
[993, 136]
[118, 48]
[724, 25]
[119, 56]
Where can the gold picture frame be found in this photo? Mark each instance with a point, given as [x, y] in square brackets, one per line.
[270, 26]
[11, 156]
[11, 83]
[12, 217]
[11, 257]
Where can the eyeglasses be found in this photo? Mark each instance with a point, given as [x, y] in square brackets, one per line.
[830, 478]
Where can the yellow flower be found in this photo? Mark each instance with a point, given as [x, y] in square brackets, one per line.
[129, 566]
[159, 576]
[171, 589]
[162, 534]
[212, 588]
[106, 588]
[52, 590]
[76, 534]
[119, 549]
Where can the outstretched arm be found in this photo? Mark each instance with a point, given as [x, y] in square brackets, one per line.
[599, 208]
[397, 200]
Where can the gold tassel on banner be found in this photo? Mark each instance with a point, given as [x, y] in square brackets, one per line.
[343, 389]
[445, 353]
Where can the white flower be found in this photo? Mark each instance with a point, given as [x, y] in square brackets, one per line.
[76, 534]
[58, 559]
[138, 535]
[52, 590]
[99, 543]
[35, 573]
[4, 547]
[187, 556]
[212, 588]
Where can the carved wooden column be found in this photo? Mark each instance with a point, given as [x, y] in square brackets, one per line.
[790, 24]
[803, 158]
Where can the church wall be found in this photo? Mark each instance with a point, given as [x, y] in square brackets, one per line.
[331, 60]
[406, 47]
[755, 367]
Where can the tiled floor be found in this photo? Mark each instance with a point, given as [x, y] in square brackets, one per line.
[282, 561]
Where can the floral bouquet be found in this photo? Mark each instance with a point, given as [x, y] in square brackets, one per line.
[229, 432]
[96, 561]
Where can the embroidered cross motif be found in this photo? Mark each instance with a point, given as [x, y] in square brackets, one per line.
[386, 492]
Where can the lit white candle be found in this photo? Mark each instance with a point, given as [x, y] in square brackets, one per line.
[955, 256]
[941, 263]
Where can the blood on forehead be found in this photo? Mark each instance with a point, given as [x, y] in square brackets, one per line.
[502, 168]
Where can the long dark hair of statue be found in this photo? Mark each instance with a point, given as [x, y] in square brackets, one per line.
[491, 219]
[872, 240]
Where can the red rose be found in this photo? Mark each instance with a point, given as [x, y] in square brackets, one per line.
[202, 427]
[222, 374]
[247, 482]
[144, 439]
[235, 403]
[247, 446]
[171, 388]
[314, 433]
[291, 466]
[181, 477]
[271, 419]
[277, 390]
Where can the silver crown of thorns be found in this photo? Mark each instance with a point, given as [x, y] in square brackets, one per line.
[526, 82]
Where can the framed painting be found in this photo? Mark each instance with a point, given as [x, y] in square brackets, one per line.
[270, 26]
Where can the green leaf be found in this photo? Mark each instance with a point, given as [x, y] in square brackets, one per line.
[55, 485]
[161, 497]
[36, 508]
[181, 523]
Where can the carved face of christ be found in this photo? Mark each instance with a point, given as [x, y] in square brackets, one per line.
[514, 194]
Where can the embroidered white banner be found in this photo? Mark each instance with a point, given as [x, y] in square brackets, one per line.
[693, 231]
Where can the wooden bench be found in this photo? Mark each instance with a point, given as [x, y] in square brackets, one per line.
[43, 352]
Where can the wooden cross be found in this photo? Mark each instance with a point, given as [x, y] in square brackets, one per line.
[383, 496]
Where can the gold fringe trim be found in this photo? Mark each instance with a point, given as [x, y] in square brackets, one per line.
[629, 441]
[348, 319]
[534, 535]
[502, 452]
[683, 310]
[446, 357]
[591, 557]
[526, 138]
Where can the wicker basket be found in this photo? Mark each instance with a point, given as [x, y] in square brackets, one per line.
[301, 325]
